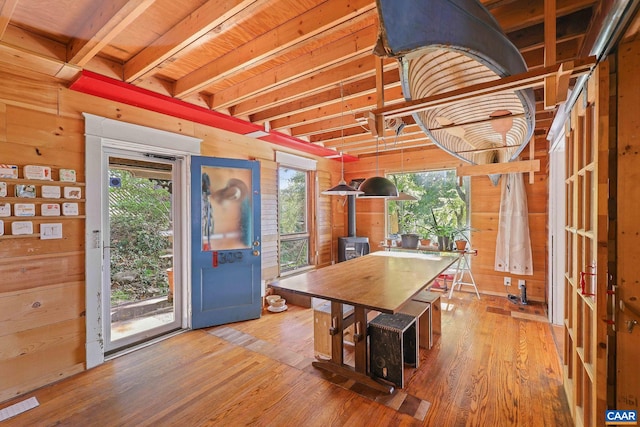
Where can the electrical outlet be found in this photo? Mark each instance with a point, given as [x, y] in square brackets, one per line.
[521, 283]
[507, 281]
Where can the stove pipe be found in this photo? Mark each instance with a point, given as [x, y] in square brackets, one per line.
[351, 216]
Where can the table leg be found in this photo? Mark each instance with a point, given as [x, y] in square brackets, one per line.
[337, 336]
[360, 340]
[336, 363]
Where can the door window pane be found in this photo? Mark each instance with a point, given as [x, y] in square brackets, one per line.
[293, 218]
[226, 208]
[442, 208]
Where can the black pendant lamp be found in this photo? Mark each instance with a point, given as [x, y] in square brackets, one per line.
[378, 186]
[342, 189]
[403, 197]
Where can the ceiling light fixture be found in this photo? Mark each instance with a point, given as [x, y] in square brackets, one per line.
[342, 189]
[378, 186]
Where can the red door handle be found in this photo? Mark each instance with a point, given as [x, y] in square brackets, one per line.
[583, 283]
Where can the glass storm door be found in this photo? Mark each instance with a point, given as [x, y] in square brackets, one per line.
[225, 233]
[141, 301]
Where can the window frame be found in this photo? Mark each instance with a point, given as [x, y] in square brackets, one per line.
[466, 185]
[306, 235]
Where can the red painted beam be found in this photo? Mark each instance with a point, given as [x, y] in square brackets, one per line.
[115, 90]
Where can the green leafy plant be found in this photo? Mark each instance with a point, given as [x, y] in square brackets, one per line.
[441, 206]
[139, 210]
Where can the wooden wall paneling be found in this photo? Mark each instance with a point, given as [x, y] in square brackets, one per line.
[38, 356]
[44, 376]
[219, 143]
[48, 324]
[73, 104]
[72, 238]
[40, 339]
[28, 89]
[485, 202]
[32, 271]
[3, 122]
[338, 222]
[41, 306]
[324, 223]
[628, 225]
[45, 130]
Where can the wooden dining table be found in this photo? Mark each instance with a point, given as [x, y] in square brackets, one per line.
[380, 281]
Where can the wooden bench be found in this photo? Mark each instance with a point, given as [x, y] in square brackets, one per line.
[435, 315]
[421, 311]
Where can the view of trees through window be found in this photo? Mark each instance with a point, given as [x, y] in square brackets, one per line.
[292, 218]
[442, 208]
[139, 210]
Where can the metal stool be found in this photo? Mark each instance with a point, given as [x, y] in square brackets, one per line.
[459, 273]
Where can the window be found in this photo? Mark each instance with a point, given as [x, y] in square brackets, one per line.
[293, 216]
[442, 207]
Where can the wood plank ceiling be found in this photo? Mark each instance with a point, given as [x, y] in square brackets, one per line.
[304, 68]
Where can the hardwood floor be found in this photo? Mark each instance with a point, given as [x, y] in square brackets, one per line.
[494, 365]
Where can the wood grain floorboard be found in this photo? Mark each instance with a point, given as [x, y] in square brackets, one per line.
[494, 364]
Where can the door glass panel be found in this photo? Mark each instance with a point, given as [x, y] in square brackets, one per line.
[140, 254]
[227, 221]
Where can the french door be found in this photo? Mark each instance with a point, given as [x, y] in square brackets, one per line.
[586, 350]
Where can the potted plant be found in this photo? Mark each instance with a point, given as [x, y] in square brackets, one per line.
[442, 231]
[460, 238]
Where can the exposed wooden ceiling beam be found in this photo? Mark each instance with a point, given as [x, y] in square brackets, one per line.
[499, 168]
[311, 24]
[568, 27]
[202, 20]
[108, 20]
[334, 109]
[550, 88]
[6, 12]
[531, 12]
[328, 96]
[305, 66]
[566, 51]
[351, 69]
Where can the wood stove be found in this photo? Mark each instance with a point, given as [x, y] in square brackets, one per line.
[352, 246]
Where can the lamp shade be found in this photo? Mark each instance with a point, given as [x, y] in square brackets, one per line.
[403, 197]
[378, 186]
[342, 189]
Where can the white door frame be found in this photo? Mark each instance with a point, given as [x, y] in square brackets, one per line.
[556, 220]
[101, 132]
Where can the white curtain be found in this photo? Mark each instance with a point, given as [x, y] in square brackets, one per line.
[513, 245]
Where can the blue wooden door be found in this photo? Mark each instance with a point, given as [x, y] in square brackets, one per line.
[225, 230]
